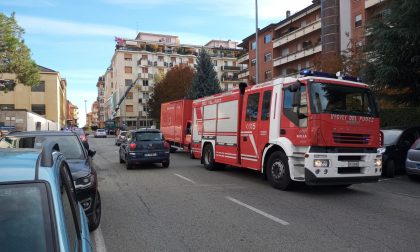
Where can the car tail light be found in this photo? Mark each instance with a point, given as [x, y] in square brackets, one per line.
[133, 146]
[166, 145]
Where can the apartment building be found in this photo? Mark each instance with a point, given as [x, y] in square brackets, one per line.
[100, 85]
[72, 114]
[362, 12]
[299, 40]
[48, 99]
[147, 58]
[95, 114]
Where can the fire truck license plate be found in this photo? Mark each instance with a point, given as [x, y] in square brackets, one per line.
[353, 164]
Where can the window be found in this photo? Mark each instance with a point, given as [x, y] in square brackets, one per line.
[69, 203]
[225, 63]
[285, 52]
[128, 69]
[215, 62]
[267, 56]
[144, 57]
[267, 75]
[252, 107]
[128, 57]
[303, 23]
[129, 108]
[358, 20]
[145, 83]
[128, 82]
[253, 62]
[146, 96]
[39, 88]
[140, 100]
[296, 114]
[7, 106]
[38, 108]
[254, 45]
[145, 70]
[265, 110]
[267, 38]
[130, 96]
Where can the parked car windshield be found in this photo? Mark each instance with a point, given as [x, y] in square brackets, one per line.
[25, 222]
[149, 136]
[391, 136]
[340, 99]
[69, 145]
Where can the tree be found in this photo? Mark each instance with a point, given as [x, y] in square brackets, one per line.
[205, 80]
[393, 49]
[14, 54]
[173, 86]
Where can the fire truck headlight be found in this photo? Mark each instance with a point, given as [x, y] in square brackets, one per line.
[321, 163]
[378, 162]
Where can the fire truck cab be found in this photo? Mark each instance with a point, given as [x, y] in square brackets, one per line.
[316, 129]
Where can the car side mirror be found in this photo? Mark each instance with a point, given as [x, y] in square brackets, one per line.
[91, 153]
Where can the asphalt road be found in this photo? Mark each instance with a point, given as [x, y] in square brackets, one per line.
[187, 208]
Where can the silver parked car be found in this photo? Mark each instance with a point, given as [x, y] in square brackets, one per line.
[120, 138]
[100, 133]
[412, 164]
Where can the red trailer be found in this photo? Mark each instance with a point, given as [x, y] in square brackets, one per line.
[175, 123]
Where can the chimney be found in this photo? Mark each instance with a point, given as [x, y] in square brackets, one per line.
[287, 14]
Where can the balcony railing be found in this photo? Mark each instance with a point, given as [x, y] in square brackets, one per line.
[143, 75]
[244, 59]
[243, 74]
[230, 77]
[314, 26]
[297, 55]
[230, 68]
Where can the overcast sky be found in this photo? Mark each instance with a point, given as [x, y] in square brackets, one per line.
[76, 38]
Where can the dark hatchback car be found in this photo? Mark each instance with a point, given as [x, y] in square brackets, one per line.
[144, 146]
[79, 160]
[397, 142]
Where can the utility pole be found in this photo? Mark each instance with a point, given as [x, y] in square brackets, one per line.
[256, 44]
[86, 113]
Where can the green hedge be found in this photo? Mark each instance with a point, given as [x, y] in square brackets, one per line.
[400, 117]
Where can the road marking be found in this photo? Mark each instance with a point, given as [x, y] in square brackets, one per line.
[184, 178]
[271, 217]
[99, 240]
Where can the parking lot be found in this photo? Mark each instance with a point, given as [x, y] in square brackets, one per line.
[187, 208]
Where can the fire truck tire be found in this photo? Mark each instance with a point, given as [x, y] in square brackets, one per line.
[389, 170]
[208, 158]
[278, 173]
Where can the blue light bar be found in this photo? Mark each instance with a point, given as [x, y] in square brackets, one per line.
[308, 72]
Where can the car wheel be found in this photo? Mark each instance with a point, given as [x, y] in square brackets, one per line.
[165, 164]
[95, 218]
[191, 152]
[389, 170]
[278, 171]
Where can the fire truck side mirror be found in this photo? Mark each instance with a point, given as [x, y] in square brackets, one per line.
[294, 87]
[242, 87]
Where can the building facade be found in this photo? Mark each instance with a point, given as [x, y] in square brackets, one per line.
[72, 115]
[48, 99]
[146, 59]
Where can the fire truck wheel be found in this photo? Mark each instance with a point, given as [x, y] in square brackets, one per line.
[278, 171]
[389, 170]
[208, 157]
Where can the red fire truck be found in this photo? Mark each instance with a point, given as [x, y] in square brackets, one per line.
[175, 123]
[317, 129]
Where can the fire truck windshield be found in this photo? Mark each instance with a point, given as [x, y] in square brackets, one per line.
[341, 99]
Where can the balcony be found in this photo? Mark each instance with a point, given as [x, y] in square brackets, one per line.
[244, 59]
[314, 26]
[243, 74]
[297, 55]
[145, 89]
[370, 3]
[143, 75]
[230, 78]
[142, 62]
[160, 64]
[230, 68]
